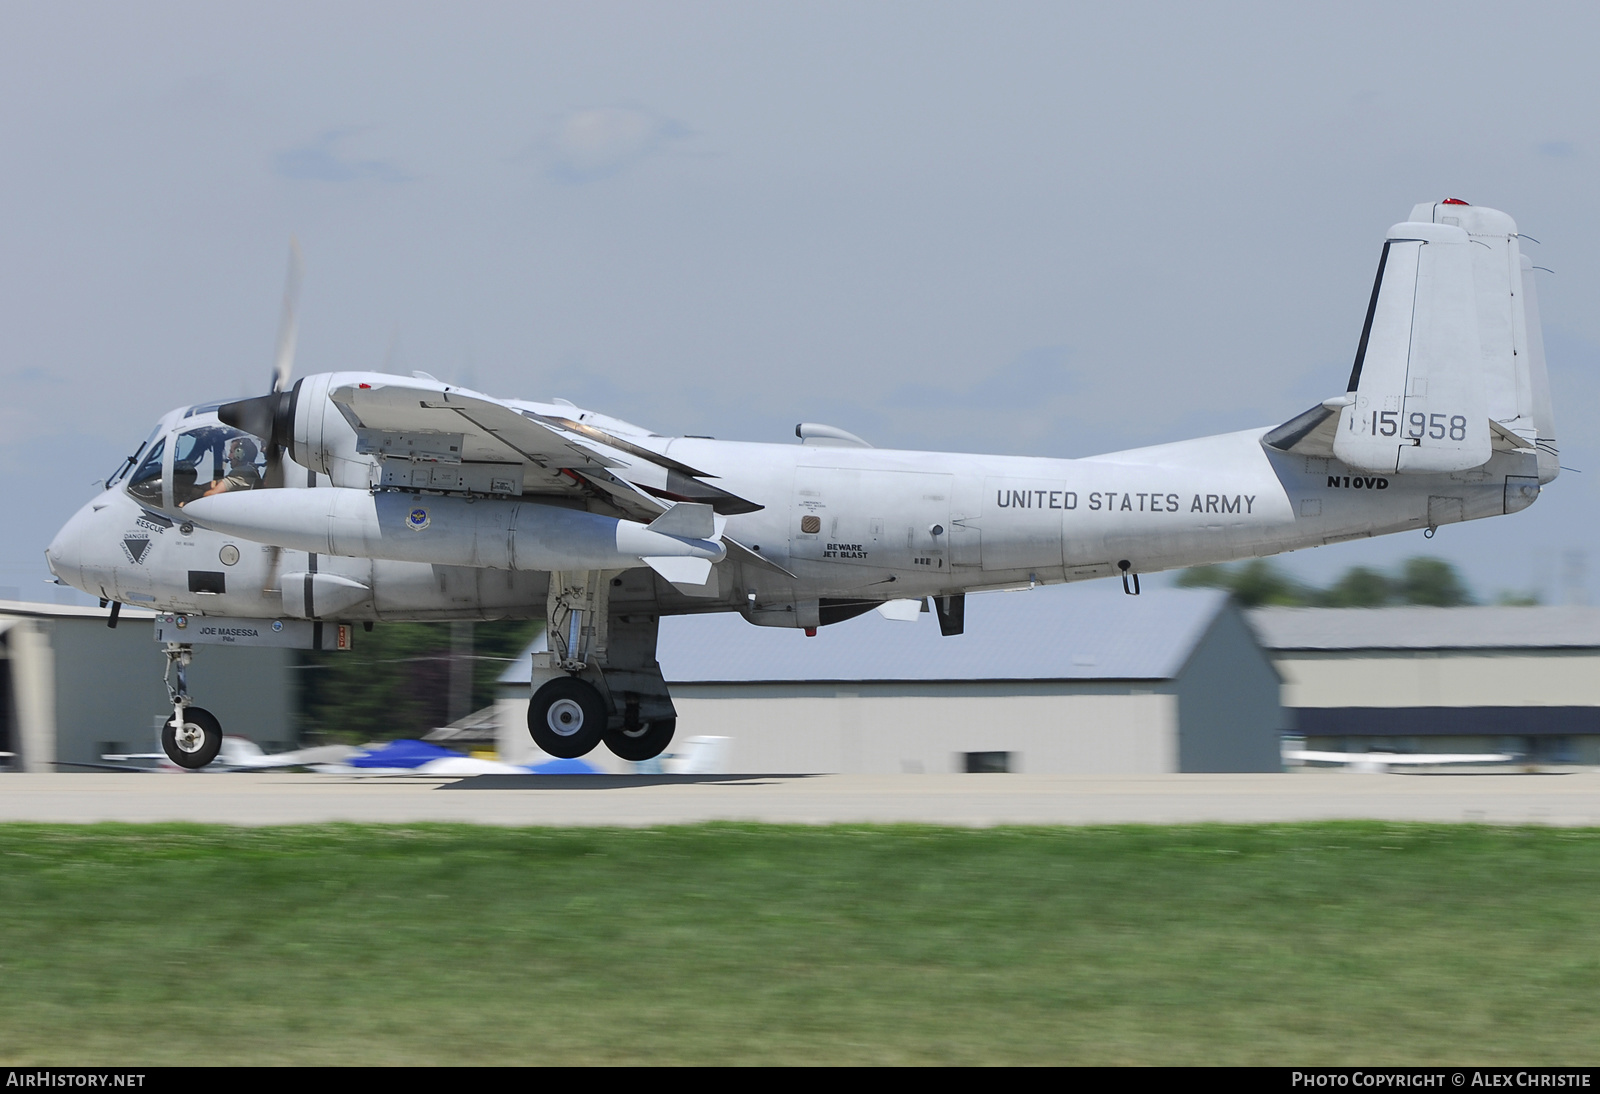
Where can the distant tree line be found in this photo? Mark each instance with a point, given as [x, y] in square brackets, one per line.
[395, 682]
[1422, 580]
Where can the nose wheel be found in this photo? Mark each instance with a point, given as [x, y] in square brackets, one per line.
[193, 742]
[192, 737]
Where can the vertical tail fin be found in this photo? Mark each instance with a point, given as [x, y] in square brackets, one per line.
[1517, 386]
[1418, 394]
[1544, 417]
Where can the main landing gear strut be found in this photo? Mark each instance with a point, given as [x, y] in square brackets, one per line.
[569, 715]
[192, 737]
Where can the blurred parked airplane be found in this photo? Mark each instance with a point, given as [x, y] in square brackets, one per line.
[356, 497]
[1383, 761]
[243, 754]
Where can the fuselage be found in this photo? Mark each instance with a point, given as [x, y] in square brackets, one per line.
[837, 524]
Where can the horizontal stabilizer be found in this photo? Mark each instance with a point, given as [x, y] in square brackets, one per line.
[1312, 434]
[688, 520]
[1506, 441]
[1418, 395]
[1308, 434]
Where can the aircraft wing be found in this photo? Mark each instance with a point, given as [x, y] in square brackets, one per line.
[557, 455]
[639, 504]
[490, 431]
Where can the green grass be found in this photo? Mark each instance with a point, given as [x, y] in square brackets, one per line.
[1288, 944]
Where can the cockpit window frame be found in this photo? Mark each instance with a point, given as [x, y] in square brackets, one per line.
[130, 462]
[163, 452]
[208, 440]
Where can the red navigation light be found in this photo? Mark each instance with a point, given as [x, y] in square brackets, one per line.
[1454, 201]
[811, 632]
[364, 385]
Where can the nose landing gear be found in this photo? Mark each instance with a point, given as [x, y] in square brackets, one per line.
[192, 737]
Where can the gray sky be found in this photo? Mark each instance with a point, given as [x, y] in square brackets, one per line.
[988, 227]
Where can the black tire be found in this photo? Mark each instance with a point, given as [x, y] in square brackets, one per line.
[567, 718]
[200, 744]
[646, 742]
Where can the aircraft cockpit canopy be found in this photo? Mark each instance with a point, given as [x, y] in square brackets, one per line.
[206, 458]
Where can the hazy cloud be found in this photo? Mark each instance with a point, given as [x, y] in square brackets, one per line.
[1041, 373]
[1560, 150]
[1021, 407]
[323, 159]
[598, 142]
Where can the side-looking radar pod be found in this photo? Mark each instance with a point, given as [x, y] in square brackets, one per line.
[446, 531]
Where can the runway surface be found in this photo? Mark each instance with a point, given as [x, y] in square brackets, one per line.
[1566, 799]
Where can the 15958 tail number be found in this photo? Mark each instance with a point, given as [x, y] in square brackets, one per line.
[1386, 423]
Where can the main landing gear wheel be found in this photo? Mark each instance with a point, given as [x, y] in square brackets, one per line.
[642, 742]
[567, 718]
[195, 743]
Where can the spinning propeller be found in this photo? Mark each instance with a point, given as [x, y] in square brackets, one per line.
[271, 416]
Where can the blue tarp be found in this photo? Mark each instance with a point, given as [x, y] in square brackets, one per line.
[402, 754]
[565, 767]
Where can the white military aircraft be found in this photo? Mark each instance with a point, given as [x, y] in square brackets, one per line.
[355, 497]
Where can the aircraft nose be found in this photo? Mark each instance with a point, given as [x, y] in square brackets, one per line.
[64, 555]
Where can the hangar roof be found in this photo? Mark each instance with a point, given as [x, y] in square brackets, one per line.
[1414, 628]
[1056, 633]
[15, 608]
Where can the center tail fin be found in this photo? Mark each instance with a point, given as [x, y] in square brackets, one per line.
[1418, 398]
[1544, 418]
[1516, 384]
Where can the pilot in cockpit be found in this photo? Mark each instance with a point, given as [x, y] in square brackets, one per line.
[242, 473]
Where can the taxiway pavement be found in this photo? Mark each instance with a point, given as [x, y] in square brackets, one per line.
[1552, 798]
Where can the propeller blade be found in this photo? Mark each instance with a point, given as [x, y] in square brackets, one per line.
[274, 562]
[272, 475]
[283, 363]
[270, 417]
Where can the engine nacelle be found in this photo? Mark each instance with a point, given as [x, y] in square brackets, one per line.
[322, 439]
[310, 426]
